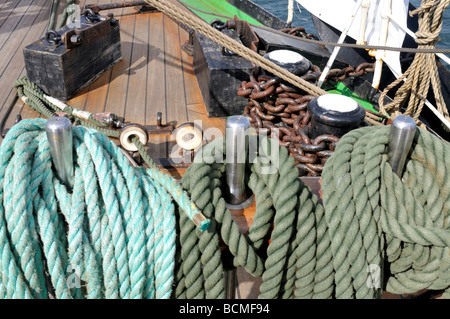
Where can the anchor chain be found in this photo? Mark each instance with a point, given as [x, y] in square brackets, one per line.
[281, 111]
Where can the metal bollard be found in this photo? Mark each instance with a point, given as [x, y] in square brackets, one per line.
[236, 150]
[59, 135]
[401, 136]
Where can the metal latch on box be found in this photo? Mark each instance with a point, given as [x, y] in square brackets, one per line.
[99, 26]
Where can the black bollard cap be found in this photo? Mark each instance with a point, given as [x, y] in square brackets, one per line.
[334, 114]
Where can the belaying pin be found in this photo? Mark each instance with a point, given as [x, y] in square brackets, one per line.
[401, 136]
[60, 138]
[236, 136]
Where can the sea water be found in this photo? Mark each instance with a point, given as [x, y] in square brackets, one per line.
[302, 17]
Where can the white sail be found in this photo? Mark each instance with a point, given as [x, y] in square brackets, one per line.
[338, 12]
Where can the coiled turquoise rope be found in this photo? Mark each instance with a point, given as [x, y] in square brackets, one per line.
[112, 236]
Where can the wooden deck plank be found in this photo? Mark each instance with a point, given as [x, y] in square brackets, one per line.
[13, 65]
[175, 91]
[156, 84]
[117, 92]
[137, 78]
[156, 80]
[15, 43]
[13, 19]
[193, 95]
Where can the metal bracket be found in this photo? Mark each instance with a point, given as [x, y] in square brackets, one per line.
[245, 32]
[160, 128]
[99, 28]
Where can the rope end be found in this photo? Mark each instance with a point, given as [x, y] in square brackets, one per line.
[201, 221]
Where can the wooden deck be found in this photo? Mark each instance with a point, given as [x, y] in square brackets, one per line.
[155, 74]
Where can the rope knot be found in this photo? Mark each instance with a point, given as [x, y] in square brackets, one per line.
[427, 38]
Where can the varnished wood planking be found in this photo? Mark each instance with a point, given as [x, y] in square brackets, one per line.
[12, 64]
[156, 84]
[117, 92]
[193, 95]
[156, 78]
[155, 75]
[175, 91]
[137, 78]
[11, 16]
[14, 40]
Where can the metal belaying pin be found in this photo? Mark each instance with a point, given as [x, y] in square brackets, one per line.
[401, 136]
[59, 135]
[236, 137]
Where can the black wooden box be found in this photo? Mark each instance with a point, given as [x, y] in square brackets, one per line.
[67, 60]
[219, 76]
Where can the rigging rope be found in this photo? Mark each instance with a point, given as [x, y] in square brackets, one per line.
[422, 72]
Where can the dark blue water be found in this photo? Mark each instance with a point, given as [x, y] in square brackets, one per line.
[302, 19]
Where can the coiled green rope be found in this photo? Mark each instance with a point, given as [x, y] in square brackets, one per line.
[374, 231]
[112, 236]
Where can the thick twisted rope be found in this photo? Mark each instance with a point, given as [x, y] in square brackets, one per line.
[422, 72]
[281, 200]
[374, 217]
[111, 236]
[370, 219]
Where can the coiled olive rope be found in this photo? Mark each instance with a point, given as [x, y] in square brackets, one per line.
[374, 232]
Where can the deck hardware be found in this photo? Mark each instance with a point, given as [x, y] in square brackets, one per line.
[53, 37]
[188, 136]
[109, 118]
[77, 56]
[218, 24]
[230, 280]
[245, 32]
[334, 114]
[401, 136]
[161, 128]
[236, 157]
[236, 193]
[130, 130]
[60, 139]
[92, 16]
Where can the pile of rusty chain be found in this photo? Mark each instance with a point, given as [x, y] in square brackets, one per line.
[280, 111]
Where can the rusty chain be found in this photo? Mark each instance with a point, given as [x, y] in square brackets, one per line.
[336, 75]
[300, 32]
[280, 111]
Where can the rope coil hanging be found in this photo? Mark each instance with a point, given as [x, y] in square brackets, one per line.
[422, 73]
